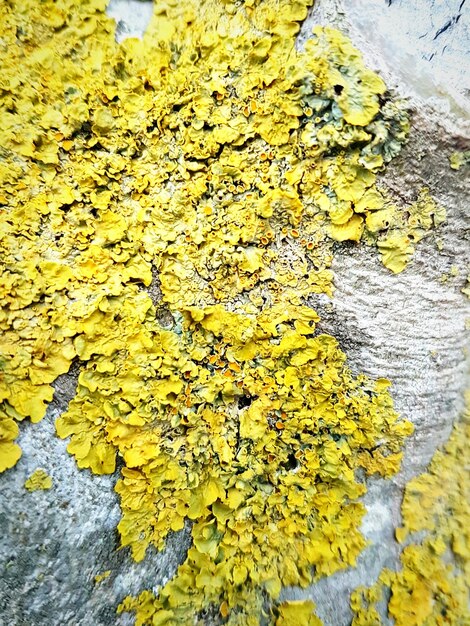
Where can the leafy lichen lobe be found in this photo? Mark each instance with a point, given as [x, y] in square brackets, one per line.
[39, 480]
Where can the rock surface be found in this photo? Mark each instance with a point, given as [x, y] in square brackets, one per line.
[410, 328]
[422, 45]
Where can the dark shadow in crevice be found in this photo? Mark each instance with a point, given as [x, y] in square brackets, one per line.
[65, 387]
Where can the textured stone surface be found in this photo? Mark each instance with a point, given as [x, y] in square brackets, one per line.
[409, 328]
[421, 45]
[132, 17]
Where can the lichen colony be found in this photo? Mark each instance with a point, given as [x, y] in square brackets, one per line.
[218, 164]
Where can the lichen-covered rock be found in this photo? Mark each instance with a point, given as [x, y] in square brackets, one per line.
[231, 163]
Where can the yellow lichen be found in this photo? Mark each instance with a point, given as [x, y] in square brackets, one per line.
[228, 172]
[103, 576]
[399, 231]
[458, 159]
[9, 452]
[466, 288]
[433, 586]
[39, 480]
[297, 613]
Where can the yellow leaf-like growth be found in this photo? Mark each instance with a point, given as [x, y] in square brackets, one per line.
[39, 480]
[297, 613]
[9, 452]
